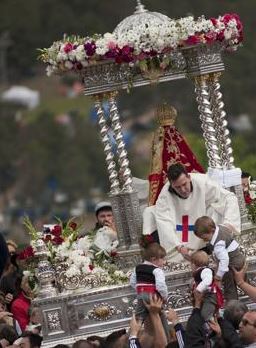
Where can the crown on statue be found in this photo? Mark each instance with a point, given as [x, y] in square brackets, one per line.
[166, 114]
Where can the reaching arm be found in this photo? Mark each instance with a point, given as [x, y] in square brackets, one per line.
[207, 278]
[249, 289]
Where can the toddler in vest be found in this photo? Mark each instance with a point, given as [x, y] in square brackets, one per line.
[149, 278]
[204, 283]
[225, 251]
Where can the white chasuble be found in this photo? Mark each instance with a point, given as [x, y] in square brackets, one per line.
[175, 216]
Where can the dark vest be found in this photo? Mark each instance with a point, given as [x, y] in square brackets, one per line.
[198, 272]
[144, 274]
[226, 235]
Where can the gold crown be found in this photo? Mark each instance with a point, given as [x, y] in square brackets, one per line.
[166, 114]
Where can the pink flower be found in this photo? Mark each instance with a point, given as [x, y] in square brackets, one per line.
[214, 21]
[111, 45]
[68, 47]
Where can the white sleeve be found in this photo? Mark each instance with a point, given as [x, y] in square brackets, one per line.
[133, 280]
[207, 278]
[224, 202]
[166, 224]
[221, 255]
[161, 286]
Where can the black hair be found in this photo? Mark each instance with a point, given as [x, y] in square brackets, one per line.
[113, 338]
[175, 170]
[103, 209]
[8, 332]
[34, 339]
[246, 175]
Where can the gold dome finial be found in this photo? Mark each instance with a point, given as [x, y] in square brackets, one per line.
[166, 114]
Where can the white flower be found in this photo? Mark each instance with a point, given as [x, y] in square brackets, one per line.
[68, 65]
[73, 271]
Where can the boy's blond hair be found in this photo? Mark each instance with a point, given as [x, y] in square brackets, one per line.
[200, 258]
[204, 225]
[154, 251]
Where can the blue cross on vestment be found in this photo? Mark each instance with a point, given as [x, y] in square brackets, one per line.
[185, 228]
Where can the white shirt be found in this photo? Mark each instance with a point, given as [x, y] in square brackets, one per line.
[220, 252]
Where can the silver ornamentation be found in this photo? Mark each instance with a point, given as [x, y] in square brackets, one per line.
[204, 107]
[102, 311]
[124, 170]
[179, 298]
[111, 165]
[53, 321]
[45, 272]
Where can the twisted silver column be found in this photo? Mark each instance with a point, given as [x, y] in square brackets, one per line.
[208, 126]
[226, 152]
[124, 170]
[111, 165]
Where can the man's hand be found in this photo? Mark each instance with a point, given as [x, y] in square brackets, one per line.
[182, 250]
[214, 325]
[172, 316]
[135, 326]
[110, 224]
[155, 304]
[5, 315]
[239, 275]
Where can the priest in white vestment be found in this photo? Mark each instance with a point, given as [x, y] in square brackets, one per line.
[183, 199]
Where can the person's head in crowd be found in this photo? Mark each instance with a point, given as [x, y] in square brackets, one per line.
[61, 346]
[82, 344]
[8, 333]
[234, 311]
[12, 246]
[155, 254]
[104, 214]
[199, 259]
[247, 328]
[30, 340]
[180, 180]
[117, 339]
[204, 228]
[246, 178]
[96, 341]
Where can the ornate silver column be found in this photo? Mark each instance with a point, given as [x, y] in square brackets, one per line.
[126, 203]
[223, 137]
[206, 116]
[124, 171]
[111, 165]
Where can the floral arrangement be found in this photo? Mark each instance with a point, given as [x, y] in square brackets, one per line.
[137, 45]
[79, 255]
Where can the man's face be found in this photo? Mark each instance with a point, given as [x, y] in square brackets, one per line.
[245, 184]
[105, 218]
[247, 328]
[182, 185]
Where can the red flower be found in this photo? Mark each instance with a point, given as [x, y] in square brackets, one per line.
[68, 47]
[193, 40]
[57, 240]
[56, 231]
[91, 267]
[73, 225]
[26, 253]
[214, 21]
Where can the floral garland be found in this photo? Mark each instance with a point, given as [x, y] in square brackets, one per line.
[141, 43]
[78, 254]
